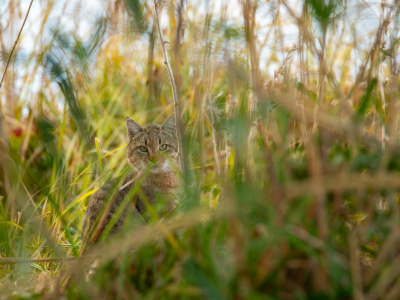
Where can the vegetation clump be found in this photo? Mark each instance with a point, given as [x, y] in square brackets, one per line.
[288, 133]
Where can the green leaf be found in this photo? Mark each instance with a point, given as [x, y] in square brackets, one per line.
[366, 99]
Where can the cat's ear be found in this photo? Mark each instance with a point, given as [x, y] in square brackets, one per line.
[132, 127]
[169, 125]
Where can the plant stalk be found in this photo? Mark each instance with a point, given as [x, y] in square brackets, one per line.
[15, 45]
[173, 86]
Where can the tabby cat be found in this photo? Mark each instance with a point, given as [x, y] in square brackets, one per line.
[153, 155]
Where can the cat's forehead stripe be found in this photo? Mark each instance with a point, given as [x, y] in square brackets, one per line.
[139, 135]
[152, 136]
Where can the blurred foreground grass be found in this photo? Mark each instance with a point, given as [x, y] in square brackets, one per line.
[304, 203]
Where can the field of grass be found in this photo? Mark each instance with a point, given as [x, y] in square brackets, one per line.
[289, 116]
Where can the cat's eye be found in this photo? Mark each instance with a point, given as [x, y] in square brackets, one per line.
[143, 149]
[163, 147]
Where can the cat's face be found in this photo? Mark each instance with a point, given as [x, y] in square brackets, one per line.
[152, 146]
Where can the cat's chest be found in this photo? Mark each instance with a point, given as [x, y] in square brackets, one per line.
[162, 182]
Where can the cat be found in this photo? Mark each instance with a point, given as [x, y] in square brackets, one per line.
[152, 152]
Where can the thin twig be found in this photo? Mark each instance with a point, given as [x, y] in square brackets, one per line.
[382, 92]
[214, 139]
[309, 37]
[173, 86]
[371, 54]
[15, 45]
[355, 269]
[249, 17]
[283, 68]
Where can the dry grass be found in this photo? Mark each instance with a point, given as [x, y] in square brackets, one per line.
[289, 111]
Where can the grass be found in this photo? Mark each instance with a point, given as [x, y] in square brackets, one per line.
[291, 152]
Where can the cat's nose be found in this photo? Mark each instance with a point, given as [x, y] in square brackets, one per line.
[152, 157]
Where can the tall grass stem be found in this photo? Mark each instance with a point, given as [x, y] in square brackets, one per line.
[15, 45]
